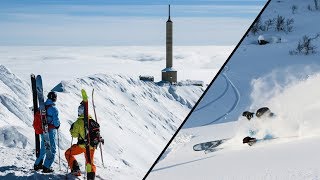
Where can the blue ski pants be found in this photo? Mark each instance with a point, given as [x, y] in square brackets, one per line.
[48, 155]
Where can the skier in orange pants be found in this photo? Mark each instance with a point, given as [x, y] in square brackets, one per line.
[73, 163]
[77, 131]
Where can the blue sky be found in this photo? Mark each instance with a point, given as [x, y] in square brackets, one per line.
[124, 22]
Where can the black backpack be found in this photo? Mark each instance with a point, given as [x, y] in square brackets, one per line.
[94, 133]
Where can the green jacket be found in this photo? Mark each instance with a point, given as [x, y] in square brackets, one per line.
[77, 130]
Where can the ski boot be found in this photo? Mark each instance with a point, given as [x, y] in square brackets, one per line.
[248, 115]
[75, 169]
[76, 172]
[37, 167]
[47, 170]
[91, 175]
[249, 140]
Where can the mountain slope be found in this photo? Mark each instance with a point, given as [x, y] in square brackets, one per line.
[292, 155]
[271, 63]
[137, 119]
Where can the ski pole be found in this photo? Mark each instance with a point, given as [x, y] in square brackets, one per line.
[101, 155]
[59, 150]
[95, 116]
[69, 156]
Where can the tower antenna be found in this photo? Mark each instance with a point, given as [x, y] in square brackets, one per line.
[169, 11]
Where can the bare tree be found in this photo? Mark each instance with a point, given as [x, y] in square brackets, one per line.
[316, 4]
[289, 25]
[256, 27]
[305, 46]
[268, 23]
[280, 23]
[294, 9]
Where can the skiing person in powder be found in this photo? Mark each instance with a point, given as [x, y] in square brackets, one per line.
[77, 131]
[263, 112]
[53, 124]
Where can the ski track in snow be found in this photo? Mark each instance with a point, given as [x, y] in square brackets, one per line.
[236, 101]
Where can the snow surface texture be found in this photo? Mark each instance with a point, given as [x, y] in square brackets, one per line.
[257, 76]
[137, 119]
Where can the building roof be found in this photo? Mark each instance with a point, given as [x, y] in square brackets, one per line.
[170, 69]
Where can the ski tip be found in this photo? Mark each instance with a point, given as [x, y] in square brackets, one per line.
[84, 95]
[32, 75]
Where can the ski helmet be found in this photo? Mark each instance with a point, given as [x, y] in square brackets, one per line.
[52, 95]
[262, 111]
[81, 109]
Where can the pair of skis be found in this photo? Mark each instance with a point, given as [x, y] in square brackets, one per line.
[86, 126]
[210, 146]
[37, 93]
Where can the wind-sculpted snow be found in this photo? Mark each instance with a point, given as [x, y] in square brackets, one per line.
[17, 108]
[18, 88]
[137, 120]
[15, 97]
[11, 137]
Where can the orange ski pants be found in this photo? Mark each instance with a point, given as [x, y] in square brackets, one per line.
[75, 150]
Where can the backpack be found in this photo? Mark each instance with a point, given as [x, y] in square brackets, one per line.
[94, 133]
[37, 123]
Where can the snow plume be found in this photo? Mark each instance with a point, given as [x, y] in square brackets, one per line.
[296, 113]
[274, 83]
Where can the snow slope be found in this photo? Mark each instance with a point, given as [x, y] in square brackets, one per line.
[137, 120]
[257, 76]
[252, 63]
[293, 155]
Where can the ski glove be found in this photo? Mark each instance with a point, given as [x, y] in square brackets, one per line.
[248, 114]
[101, 140]
[57, 127]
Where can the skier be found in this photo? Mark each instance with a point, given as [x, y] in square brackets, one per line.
[77, 131]
[263, 112]
[53, 124]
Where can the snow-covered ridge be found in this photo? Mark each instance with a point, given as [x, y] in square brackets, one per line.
[15, 116]
[137, 118]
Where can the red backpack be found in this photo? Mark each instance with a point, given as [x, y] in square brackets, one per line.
[37, 123]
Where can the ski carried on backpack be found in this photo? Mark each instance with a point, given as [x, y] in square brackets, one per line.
[86, 130]
[35, 110]
[95, 116]
[43, 115]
